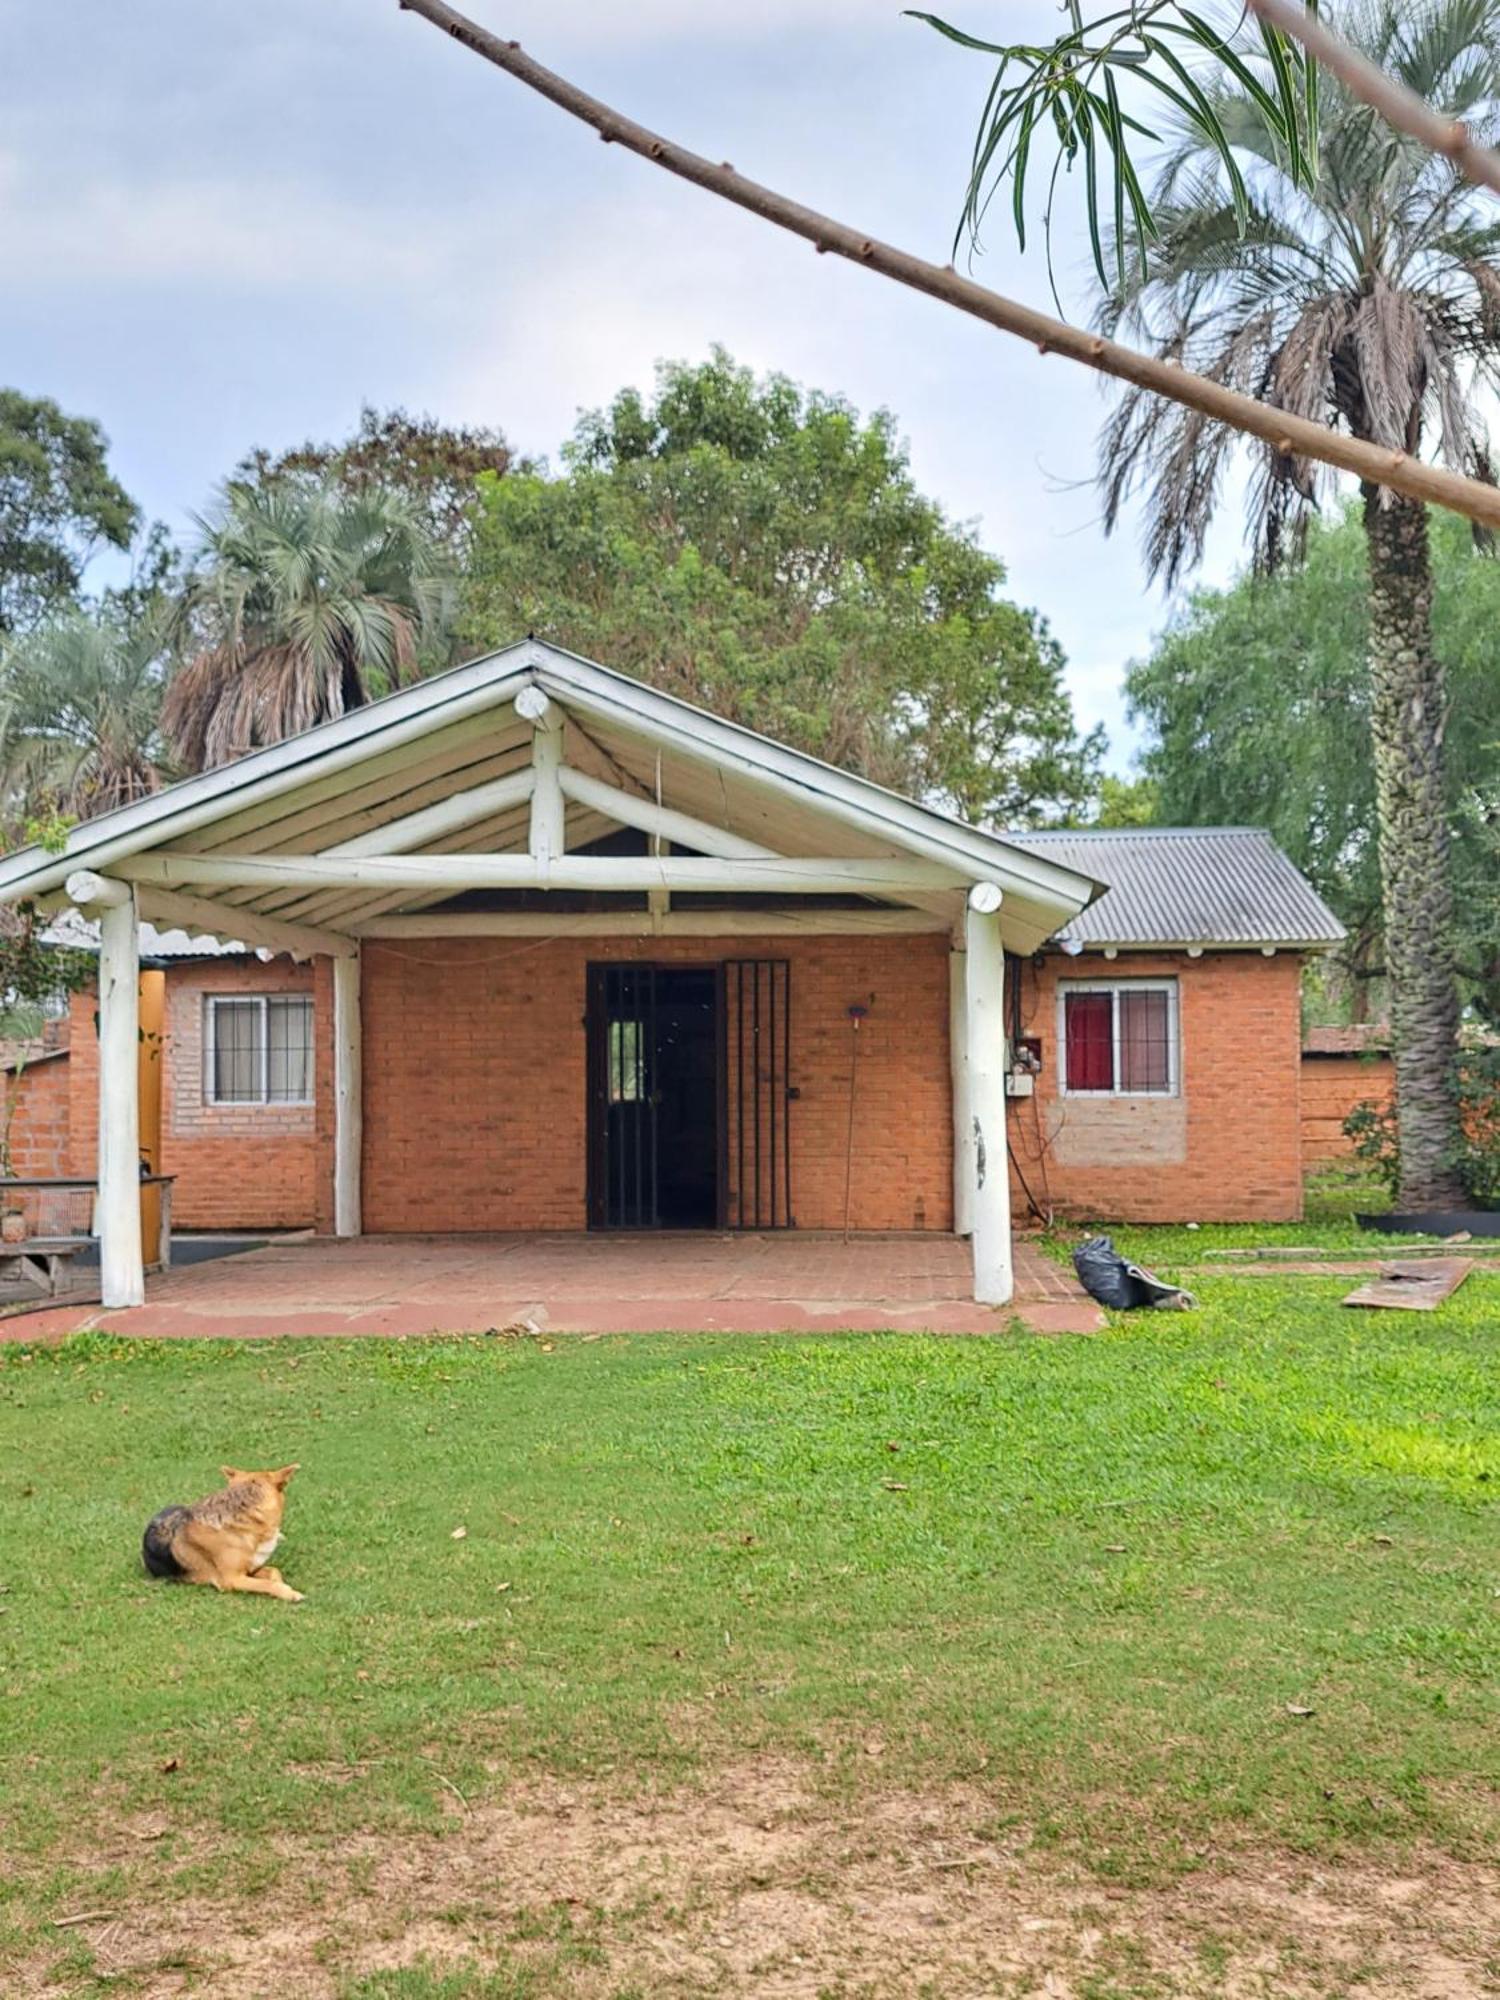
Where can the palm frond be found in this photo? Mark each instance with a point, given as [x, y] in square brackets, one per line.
[306, 601]
[1369, 300]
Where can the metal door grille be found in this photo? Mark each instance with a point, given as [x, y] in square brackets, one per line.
[623, 1181]
[756, 1129]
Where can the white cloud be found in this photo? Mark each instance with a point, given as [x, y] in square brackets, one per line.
[242, 231]
[593, 24]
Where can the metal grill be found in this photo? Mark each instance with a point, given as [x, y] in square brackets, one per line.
[622, 1097]
[755, 1130]
[259, 1049]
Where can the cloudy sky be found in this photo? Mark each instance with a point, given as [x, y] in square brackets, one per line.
[225, 224]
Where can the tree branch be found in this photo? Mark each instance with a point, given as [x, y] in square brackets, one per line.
[1285, 433]
[1397, 105]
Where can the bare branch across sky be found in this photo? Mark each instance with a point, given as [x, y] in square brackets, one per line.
[1285, 434]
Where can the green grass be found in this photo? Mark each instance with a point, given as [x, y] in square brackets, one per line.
[1091, 1573]
[1331, 1201]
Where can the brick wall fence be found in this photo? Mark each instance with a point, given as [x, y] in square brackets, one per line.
[1226, 1148]
[1331, 1087]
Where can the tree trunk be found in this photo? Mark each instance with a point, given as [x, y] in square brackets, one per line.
[1407, 717]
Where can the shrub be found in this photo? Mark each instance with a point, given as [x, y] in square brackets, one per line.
[1372, 1128]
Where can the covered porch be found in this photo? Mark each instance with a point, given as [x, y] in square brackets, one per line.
[586, 956]
[568, 1282]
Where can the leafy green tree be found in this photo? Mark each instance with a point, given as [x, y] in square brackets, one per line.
[763, 551]
[1256, 702]
[433, 467]
[58, 502]
[304, 602]
[80, 706]
[1125, 802]
[1372, 302]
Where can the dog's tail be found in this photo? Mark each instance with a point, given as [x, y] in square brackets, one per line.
[156, 1543]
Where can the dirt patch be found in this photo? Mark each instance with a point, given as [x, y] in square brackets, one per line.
[757, 1883]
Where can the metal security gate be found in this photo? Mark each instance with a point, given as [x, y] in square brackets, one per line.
[755, 1128]
[622, 1192]
[688, 1095]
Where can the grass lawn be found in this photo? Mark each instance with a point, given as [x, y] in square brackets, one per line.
[1332, 1199]
[1207, 1598]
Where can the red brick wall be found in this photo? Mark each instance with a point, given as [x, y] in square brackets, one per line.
[1331, 1087]
[475, 1090]
[475, 1084]
[39, 1127]
[1227, 1148]
[238, 1166]
[83, 1083]
[243, 1166]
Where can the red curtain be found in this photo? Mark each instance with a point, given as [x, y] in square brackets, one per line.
[1089, 1023]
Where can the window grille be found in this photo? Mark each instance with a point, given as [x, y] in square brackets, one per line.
[258, 1049]
[1119, 1040]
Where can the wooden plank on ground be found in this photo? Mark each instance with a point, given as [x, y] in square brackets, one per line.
[1413, 1286]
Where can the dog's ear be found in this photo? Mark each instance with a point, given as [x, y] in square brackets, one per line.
[282, 1474]
[232, 1474]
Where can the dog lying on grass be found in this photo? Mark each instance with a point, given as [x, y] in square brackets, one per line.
[226, 1540]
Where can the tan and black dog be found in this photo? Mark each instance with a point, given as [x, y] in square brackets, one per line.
[226, 1540]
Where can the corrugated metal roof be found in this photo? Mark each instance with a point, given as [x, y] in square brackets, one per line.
[70, 927]
[1214, 885]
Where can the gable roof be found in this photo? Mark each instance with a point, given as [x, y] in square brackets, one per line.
[1229, 886]
[458, 730]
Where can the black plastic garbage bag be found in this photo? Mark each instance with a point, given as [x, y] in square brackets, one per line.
[1108, 1277]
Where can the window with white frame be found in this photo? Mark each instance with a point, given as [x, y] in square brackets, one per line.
[1119, 1038]
[258, 1049]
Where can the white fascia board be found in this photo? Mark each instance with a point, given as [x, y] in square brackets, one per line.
[1205, 945]
[280, 767]
[883, 814]
[492, 682]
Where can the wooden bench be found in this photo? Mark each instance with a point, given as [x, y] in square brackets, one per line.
[42, 1261]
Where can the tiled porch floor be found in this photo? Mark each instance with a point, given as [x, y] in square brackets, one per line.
[587, 1284]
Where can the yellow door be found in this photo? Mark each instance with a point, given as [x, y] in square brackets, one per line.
[152, 1061]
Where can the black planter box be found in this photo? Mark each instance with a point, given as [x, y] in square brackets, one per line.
[1440, 1222]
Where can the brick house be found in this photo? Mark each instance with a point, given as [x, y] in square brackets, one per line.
[1166, 1023]
[533, 947]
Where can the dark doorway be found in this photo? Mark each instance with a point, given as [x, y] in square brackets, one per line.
[654, 1096]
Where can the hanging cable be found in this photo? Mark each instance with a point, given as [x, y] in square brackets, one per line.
[856, 1015]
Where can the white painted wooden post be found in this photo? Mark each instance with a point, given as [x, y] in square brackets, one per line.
[122, 1268]
[348, 1098]
[548, 842]
[985, 985]
[963, 1110]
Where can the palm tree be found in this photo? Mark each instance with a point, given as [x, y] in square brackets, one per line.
[80, 705]
[305, 602]
[1372, 303]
